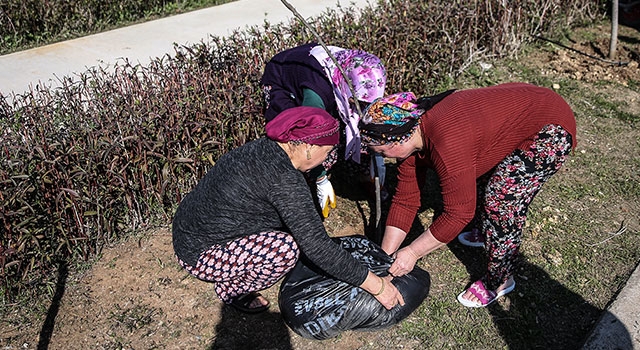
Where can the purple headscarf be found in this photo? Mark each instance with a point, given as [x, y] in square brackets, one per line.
[368, 77]
[311, 125]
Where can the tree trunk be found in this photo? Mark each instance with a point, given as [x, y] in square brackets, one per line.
[614, 29]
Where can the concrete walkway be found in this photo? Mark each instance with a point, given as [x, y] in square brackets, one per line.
[619, 327]
[142, 42]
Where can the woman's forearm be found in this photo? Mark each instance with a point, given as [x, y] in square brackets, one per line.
[393, 238]
[425, 244]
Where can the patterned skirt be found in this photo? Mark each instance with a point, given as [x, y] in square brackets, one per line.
[247, 264]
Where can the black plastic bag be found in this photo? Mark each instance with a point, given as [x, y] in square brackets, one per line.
[317, 306]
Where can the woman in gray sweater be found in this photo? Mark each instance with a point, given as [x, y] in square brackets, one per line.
[246, 222]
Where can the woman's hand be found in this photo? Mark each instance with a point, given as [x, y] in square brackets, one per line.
[383, 290]
[390, 296]
[405, 260]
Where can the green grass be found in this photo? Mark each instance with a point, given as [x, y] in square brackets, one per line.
[134, 315]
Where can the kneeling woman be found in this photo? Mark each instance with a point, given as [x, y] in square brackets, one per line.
[494, 147]
[246, 222]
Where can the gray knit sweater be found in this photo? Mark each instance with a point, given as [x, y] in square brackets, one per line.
[252, 189]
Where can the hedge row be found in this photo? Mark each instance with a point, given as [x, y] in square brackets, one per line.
[115, 151]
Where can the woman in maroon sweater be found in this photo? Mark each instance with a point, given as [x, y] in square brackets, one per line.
[493, 148]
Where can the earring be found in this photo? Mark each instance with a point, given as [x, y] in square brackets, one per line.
[308, 154]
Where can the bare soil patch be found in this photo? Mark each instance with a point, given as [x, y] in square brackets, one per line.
[587, 60]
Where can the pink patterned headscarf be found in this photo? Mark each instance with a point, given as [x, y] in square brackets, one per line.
[311, 125]
[368, 77]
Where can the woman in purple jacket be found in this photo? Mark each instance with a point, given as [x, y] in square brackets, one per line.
[307, 76]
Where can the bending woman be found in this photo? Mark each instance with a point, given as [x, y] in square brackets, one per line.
[246, 222]
[492, 148]
[305, 75]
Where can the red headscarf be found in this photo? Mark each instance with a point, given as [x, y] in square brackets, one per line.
[310, 125]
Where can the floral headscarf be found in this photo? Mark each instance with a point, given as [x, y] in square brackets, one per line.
[394, 118]
[368, 77]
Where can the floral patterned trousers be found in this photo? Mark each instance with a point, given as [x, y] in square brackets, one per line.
[505, 193]
[247, 264]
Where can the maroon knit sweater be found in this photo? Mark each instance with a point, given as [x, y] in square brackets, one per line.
[466, 135]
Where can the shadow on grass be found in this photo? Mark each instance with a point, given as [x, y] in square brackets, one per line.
[238, 330]
[629, 14]
[47, 327]
[540, 313]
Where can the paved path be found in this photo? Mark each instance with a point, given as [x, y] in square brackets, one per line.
[619, 327]
[142, 42]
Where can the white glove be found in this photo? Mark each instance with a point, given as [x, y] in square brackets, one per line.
[326, 195]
